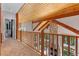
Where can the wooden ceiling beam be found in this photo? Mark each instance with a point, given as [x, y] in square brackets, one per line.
[66, 26]
[42, 26]
[45, 27]
[66, 12]
[37, 25]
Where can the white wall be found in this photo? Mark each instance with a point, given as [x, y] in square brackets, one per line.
[26, 26]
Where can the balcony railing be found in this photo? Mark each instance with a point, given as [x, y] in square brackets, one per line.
[51, 44]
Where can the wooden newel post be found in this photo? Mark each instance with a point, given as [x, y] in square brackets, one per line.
[42, 43]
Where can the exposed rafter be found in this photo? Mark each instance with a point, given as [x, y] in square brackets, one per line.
[45, 27]
[42, 26]
[66, 26]
[37, 25]
[37, 12]
[66, 12]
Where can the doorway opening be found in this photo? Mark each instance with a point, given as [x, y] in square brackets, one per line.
[9, 28]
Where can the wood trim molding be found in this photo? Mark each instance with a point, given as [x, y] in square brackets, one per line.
[66, 26]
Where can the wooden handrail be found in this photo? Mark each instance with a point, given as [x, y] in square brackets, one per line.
[53, 34]
[63, 37]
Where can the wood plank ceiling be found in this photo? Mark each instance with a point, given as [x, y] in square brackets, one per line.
[40, 12]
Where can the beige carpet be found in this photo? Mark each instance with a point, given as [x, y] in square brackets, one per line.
[12, 47]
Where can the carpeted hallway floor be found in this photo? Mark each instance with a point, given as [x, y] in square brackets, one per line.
[12, 47]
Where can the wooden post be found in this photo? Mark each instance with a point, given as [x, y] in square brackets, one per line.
[53, 44]
[42, 43]
[46, 44]
[0, 17]
[62, 44]
[68, 45]
[17, 18]
[38, 40]
[57, 45]
[20, 35]
[76, 46]
[0, 28]
[49, 44]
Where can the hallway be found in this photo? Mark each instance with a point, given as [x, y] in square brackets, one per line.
[39, 29]
[15, 48]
